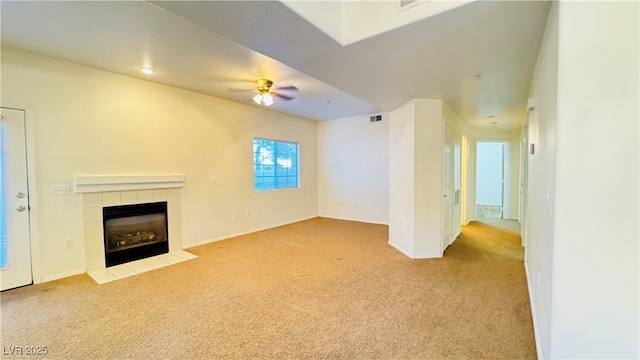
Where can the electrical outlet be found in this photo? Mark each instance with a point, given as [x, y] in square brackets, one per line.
[248, 213]
[60, 190]
[235, 215]
[68, 243]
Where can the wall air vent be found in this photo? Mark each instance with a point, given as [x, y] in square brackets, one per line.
[408, 4]
[374, 118]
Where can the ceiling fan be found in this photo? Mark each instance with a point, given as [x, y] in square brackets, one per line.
[266, 92]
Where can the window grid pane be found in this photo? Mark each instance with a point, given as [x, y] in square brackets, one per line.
[275, 164]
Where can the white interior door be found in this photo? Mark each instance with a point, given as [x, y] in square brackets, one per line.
[15, 244]
[447, 186]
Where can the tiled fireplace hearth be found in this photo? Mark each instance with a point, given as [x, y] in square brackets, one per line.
[100, 192]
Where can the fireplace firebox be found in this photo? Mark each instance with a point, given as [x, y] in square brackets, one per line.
[133, 232]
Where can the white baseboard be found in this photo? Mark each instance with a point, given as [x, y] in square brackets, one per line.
[63, 275]
[428, 256]
[209, 241]
[533, 313]
[401, 249]
[414, 256]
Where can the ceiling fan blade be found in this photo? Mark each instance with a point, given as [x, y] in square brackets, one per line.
[288, 87]
[236, 90]
[284, 97]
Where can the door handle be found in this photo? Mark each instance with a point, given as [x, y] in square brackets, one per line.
[20, 195]
[21, 208]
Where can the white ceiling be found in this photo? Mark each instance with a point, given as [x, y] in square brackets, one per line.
[210, 46]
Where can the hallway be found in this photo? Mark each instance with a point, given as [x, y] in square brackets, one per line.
[497, 236]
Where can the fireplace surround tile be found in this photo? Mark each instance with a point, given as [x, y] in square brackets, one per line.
[93, 230]
[145, 196]
[93, 204]
[159, 195]
[173, 211]
[129, 197]
[121, 271]
[111, 198]
[173, 194]
[113, 273]
[139, 266]
[94, 253]
[92, 200]
[102, 276]
[92, 215]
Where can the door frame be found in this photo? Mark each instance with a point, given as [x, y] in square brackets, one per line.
[506, 199]
[449, 197]
[30, 143]
[464, 163]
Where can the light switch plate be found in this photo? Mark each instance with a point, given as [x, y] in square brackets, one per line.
[60, 190]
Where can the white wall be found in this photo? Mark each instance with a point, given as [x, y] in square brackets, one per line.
[428, 178]
[541, 181]
[415, 178]
[91, 122]
[325, 15]
[353, 169]
[363, 19]
[582, 254]
[596, 279]
[401, 178]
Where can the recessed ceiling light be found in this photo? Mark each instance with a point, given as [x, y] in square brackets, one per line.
[146, 70]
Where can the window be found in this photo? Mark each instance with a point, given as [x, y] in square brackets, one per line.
[275, 164]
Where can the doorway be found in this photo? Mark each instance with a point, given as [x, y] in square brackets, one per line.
[491, 179]
[15, 240]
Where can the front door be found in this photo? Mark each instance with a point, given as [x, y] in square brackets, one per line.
[15, 243]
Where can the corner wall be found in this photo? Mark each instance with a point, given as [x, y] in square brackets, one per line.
[415, 178]
[92, 122]
[353, 169]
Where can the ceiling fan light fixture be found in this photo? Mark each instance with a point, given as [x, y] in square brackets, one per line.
[268, 99]
[257, 98]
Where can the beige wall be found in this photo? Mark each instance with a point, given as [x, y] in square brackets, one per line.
[91, 122]
[353, 169]
[582, 215]
[596, 278]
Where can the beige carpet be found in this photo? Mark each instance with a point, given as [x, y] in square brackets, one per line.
[315, 289]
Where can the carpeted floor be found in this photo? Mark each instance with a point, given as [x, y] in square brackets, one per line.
[320, 288]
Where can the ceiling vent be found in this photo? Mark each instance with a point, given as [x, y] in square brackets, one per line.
[408, 4]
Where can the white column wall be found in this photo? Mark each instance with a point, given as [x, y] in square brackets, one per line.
[401, 178]
[596, 278]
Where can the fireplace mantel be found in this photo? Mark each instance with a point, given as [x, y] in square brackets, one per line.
[104, 183]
